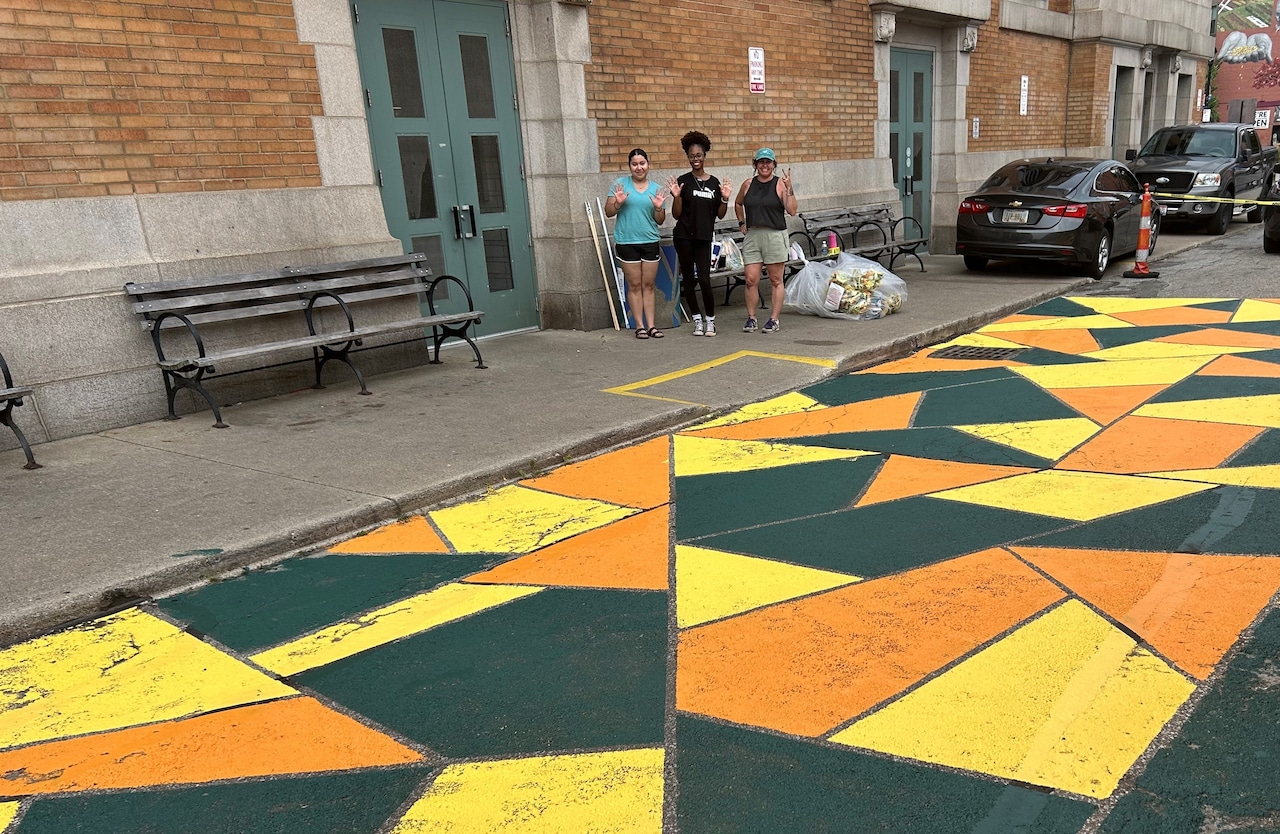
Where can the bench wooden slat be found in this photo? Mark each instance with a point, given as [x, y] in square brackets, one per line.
[156, 304]
[300, 272]
[15, 393]
[291, 305]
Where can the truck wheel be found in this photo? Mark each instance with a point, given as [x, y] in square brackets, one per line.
[1254, 214]
[1101, 257]
[1222, 219]
[1270, 245]
[975, 263]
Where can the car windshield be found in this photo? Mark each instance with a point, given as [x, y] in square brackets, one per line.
[1048, 178]
[1190, 143]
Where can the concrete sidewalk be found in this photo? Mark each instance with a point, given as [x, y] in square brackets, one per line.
[146, 509]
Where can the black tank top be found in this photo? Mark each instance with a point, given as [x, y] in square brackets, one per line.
[764, 206]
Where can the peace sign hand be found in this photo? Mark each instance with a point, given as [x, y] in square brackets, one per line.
[786, 180]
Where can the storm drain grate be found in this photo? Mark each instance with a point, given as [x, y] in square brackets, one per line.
[987, 353]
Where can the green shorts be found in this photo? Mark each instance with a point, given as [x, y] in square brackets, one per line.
[765, 246]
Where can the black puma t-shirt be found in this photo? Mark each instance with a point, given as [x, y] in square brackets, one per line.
[699, 204]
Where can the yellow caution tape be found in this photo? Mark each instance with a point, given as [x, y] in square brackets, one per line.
[1196, 198]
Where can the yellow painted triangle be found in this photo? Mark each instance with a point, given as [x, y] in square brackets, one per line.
[1104, 305]
[515, 519]
[1164, 350]
[1253, 310]
[978, 340]
[711, 584]
[1049, 439]
[792, 403]
[1262, 410]
[619, 792]
[1098, 322]
[1263, 477]
[119, 671]
[1067, 701]
[709, 455]
[8, 813]
[1106, 374]
[1080, 496]
[414, 615]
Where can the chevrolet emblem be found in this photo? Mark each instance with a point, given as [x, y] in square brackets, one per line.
[1016, 203]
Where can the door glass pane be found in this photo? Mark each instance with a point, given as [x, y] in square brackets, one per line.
[893, 95]
[419, 179]
[402, 72]
[917, 156]
[433, 247]
[894, 153]
[497, 259]
[917, 103]
[488, 162]
[475, 75]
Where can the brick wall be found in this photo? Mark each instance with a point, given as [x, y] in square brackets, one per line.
[1089, 100]
[142, 96]
[662, 68]
[995, 71]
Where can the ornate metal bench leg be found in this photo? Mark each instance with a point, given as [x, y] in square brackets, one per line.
[194, 384]
[441, 332]
[6, 418]
[171, 386]
[340, 354]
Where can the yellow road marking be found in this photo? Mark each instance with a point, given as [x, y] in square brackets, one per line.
[631, 389]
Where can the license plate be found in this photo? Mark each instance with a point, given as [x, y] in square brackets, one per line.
[1014, 216]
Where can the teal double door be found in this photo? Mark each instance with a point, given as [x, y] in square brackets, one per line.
[911, 130]
[439, 88]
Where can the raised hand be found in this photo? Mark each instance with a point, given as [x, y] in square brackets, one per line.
[786, 180]
[726, 190]
[659, 198]
[619, 194]
[674, 187]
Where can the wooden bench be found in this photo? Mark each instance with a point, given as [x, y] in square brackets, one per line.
[11, 396]
[277, 305]
[868, 232]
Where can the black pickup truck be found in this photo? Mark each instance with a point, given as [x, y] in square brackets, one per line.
[1205, 160]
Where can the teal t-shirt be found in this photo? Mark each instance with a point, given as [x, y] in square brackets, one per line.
[635, 223]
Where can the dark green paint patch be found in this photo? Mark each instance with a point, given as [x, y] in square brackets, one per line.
[264, 607]
[1228, 306]
[885, 538]
[1109, 337]
[1223, 763]
[858, 388]
[708, 504]
[1263, 451]
[1217, 388]
[559, 670]
[1268, 328]
[736, 780]
[1040, 356]
[932, 443]
[1229, 520]
[1059, 307]
[348, 803]
[998, 401]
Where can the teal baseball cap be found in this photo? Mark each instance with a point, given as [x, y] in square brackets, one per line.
[764, 153]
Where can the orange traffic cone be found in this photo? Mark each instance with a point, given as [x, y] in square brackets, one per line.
[1140, 269]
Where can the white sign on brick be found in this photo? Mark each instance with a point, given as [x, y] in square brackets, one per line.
[755, 68]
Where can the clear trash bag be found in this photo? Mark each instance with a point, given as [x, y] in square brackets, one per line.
[847, 288]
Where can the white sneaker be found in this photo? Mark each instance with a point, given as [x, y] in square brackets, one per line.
[711, 327]
[697, 325]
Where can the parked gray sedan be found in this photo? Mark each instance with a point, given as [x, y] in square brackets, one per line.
[1076, 211]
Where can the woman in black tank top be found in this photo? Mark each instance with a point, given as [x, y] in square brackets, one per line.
[763, 203]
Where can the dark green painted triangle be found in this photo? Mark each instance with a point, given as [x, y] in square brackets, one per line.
[264, 607]
[1267, 328]
[932, 443]
[344, 803]
[1059, 307]
[1199, 387]
[559, 670]
[857, 388]
[707, 504]
[1228, 306]
[885, 538]
[1270, 356]
[1109, 337]
[1220, 768]
[1228, 519]
[737, 780]
[1263, 451]
[998, 401]
[1040, 356]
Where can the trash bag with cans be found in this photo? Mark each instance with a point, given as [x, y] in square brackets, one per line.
[847, 288]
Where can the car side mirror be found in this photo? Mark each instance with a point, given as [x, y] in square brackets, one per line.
[1130, 155]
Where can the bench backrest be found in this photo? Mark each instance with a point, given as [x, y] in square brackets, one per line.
[273, 292]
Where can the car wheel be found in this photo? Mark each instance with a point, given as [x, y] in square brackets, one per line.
[1154, 235]
[1254, 214]
[1221, 220]
[975, 263]
[1101, 257]
[1270, 245]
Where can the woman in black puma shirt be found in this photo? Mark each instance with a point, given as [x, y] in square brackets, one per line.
[699, 200]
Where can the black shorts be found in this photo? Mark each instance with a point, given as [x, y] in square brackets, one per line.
[630, 253]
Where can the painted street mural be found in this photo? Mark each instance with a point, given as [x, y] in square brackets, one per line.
[1022, 581]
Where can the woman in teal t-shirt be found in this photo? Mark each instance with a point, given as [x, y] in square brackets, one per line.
[639, 206]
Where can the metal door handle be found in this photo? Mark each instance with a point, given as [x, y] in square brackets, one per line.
[908, 186]
[457, 222]
[471, 212]
[458, 211]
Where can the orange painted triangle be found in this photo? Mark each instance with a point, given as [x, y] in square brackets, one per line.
[1217, 337]
[906, 477]
[1159, 444]
[294, 735]
[1061, 341]
[1240, 366]
[631, 553]
[412, 535]
[1174, 315]
[1192, 609]
[885, 413]
[1108, 404]
[637, 476]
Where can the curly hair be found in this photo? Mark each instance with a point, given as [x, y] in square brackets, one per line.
[695, 137]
